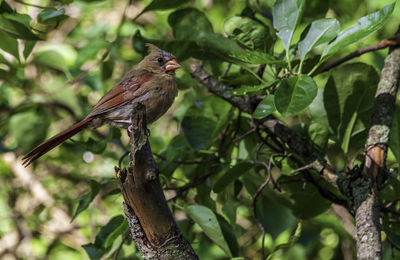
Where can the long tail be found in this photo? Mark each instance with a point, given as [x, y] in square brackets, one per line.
[54, 141]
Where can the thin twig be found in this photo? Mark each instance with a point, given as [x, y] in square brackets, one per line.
[227, 70]
[380, 45]
[245, 134]
[162, 157]
[258, 192]
[120, 245]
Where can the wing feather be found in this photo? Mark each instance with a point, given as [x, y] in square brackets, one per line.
[124, 92]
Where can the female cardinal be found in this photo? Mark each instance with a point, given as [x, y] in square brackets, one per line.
[152, 83]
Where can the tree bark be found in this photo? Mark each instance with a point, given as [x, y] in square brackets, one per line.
[151, 223]
[366, 197]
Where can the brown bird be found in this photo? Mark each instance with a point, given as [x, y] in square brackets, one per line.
[152, 83]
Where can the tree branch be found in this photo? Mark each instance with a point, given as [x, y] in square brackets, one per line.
[151, 223]
[366, 197]
[270, 124]
[380, 45]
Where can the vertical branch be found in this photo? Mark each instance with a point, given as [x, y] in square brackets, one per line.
[366, 194]
[152, 225]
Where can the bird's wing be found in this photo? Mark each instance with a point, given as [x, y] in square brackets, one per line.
[124, 92]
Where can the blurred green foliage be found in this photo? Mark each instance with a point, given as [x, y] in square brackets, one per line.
[57, 58]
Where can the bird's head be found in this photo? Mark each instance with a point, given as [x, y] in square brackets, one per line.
[159, 61]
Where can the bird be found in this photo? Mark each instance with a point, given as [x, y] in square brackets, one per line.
[152, 83]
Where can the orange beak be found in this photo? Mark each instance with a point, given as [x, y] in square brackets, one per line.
[172, 65]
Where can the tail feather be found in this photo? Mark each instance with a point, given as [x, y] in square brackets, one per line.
[46, 146]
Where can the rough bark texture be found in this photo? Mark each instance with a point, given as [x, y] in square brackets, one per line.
[369, 244]
[152, 225]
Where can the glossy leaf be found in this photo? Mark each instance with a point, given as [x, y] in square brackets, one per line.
[287, 14]
[85, 200]
[362, 28]
[9, 44]
[295, 94]
[94, 252]
[249, 33]
[16, 27]
[51, 16]
[208, 222]
[321, 31]
[265, 107]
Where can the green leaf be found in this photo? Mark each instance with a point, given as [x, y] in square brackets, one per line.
[51, 59]
[253, 57]
[51, 16]
[361, 29]
[249, 33]
[395, 134]
[108, 230]
[29, 128]
[16, 27]
[231, 175]
[107, 68]
[269, 208]
[187, 23]
[349, 98]
[306, 201]
[94, 252]
[265, 107]
[9, 44]
[94, 146]
[28, 47]
[163, 5]
[295, 94]
[244, 90]
[287, 14]
[293, 239]
[321, 31]
[197, 130]
[85, 200]
[319, 134]
[208, 222]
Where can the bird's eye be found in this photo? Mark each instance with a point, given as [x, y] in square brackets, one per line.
[160, 60]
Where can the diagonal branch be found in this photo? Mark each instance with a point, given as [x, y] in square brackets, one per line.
[270, 124]
[395, 41]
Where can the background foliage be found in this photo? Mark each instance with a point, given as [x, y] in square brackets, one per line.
[57, 58]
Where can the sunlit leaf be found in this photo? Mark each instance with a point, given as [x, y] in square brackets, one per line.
[9, 44]
[362, 28]
[248, 32]
[295, 94]
[265, 107]
[321, 31]
[287, 14]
